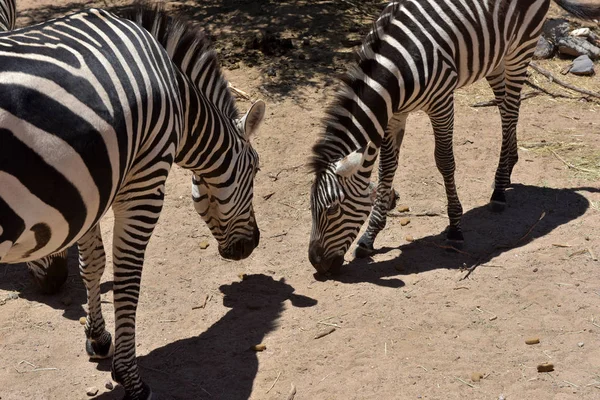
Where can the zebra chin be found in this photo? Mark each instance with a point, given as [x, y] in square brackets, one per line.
[324, 265]
[241, 248]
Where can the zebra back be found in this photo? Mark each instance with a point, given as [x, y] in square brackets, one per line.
[8, 15]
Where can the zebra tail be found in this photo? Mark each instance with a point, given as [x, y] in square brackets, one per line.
[583, 11]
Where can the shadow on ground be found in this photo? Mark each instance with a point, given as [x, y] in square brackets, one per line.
[219, 363]
[296, 44]
[71, 298]
[487, 235]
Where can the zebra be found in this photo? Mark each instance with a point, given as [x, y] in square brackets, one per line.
[94, 111]
[49, 273]
[8, 15]
[415, 56]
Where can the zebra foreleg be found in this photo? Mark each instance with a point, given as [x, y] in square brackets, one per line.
[442, 120]
[386, 195]
[92, 261]
[50, 273]
[135, 220]
[514, 77]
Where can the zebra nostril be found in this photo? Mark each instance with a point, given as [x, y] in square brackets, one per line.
[315, 253]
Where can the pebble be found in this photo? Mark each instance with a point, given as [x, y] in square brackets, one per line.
[12, 296]
[271, 71]
[82, 320]
[204, 244]
[580, 344]
[67, 300]
[501, 397]
[476, 376]
[403, 208]
[404, 221]
[532, 341]
[259, 347]
[109, 385]
[91, 391]
[535, 269]
[305, 41]
[409, 238]
[546, 367]
[582, 65]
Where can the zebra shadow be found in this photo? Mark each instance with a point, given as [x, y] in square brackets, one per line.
[71, 298]
[487, 235]
[219, 363]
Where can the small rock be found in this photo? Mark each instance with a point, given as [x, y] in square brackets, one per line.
[83, 320]
[91, 391]
[409, 238]
[204, 244]
[12, 296]
[302, 56]
[532, 341]
[580, 344]
[476, 376]
[67, 300]
[581, 32]
[582, 65]
[544, 49]
[555, 28]
[403, 208]
[109, 385]
[404, 221]
[271, 71]
[259, 347]
[535, 269]
[242, 276]
[305, 41]
[501, 397]
[546, 367]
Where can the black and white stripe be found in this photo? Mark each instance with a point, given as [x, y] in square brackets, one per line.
[417, 54]
[8, 15]
[94, 111]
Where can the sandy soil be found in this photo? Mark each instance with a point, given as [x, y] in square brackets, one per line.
[406, 325]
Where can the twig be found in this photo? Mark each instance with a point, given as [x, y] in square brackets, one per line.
[328, 324]
[568, 164]
[276, 176]
[273, 385]
[424, 369]
[278, 235]
[549, 93]
[571, 383]
[595, 324]
[552, 78]
[292, 392]
[465, 382]
[533, 226]
[167, 320]
[238, 92]
[203, 305]
[441, 246]
[594, 258]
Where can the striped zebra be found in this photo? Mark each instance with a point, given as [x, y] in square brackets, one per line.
[49, 273]
[417, 54]
[94, 111]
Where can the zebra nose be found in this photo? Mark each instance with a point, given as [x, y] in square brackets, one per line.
[315, 254]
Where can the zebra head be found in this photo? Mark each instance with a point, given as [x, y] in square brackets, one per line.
[340, 203]
[223, 196]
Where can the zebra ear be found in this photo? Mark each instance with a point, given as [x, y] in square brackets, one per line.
[350, 164]
[253, 118]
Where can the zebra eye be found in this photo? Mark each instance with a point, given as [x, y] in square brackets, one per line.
[333, 209]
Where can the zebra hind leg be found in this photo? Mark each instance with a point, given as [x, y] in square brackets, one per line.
[514, 77]
[442, 120]
[50, 273]
[386, 197]
[92, 261]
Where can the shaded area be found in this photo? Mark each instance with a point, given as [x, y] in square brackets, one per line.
[219, 364]
[487, 235]
[296, 44]
[16, 277]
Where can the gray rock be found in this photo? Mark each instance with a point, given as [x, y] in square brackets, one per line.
[91, 391]
[555, 28]
[574, 46]
[544, 49]
[582, 65]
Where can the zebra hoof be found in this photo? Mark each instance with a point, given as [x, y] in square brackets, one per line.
[97, 349]
[498, 200]
[454, 238]
[363, 251]
[497, 206]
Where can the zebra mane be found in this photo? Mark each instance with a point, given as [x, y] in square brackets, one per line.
[188, 47]
[328, 147]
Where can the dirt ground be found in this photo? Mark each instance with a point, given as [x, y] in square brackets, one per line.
[407, 326]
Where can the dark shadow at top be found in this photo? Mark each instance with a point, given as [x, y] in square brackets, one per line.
[487, 235]
[219, 363]
[296, 44]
